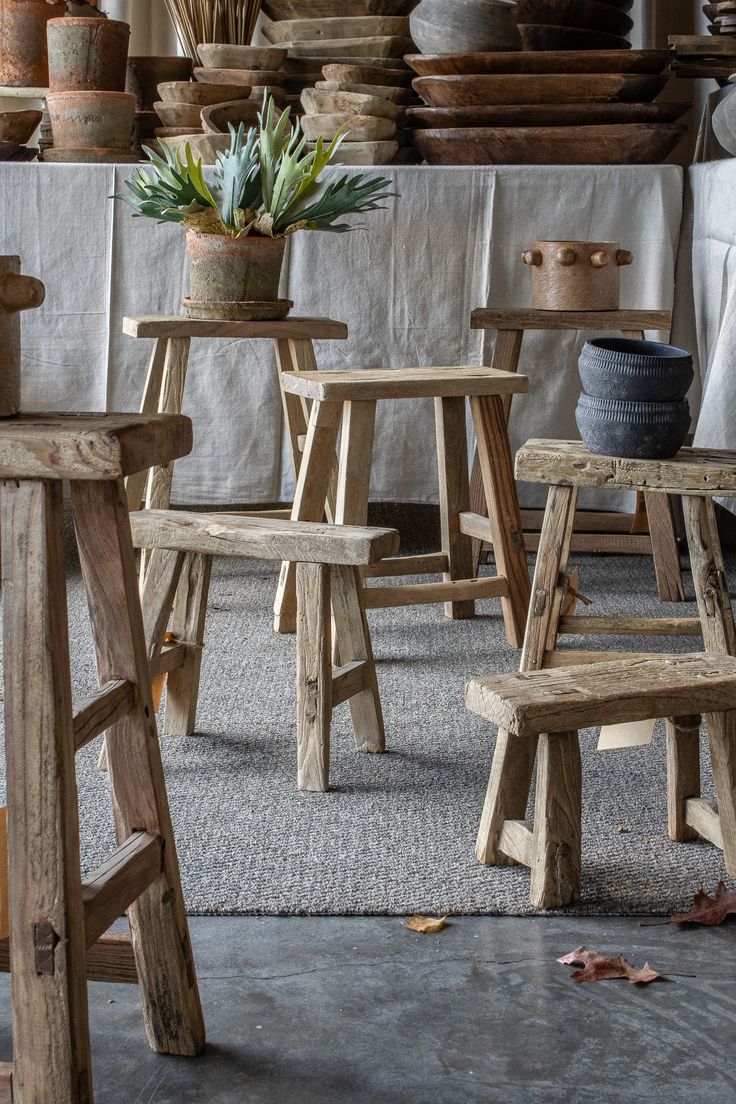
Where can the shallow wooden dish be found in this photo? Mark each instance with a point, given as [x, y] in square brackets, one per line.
[309, 30]
[202, 94]
[359, 128]
[217, 117]
[363, 153]
[545, 115]
[627, 144]
[173, 114]
[204, 146]
[222, 55]
[368, 74]
[247, 77]
[395, 95]
[542, 36]
[330, 9]
[320, 101]
[589, 14]
[541, 61]
[176, 132]
[550, 88]
[349, 48]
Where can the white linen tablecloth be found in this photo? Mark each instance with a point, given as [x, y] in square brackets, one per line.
[405, 285]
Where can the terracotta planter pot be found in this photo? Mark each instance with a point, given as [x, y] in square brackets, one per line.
[103, 120]
[234, 270]
[144, 74]
[87, 53]
[23, 54]
[576, 275]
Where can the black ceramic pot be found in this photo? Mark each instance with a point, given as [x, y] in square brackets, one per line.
[640, 371]
[642, 431]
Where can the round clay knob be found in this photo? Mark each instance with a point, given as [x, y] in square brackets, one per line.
[532, 257]
[624, 257]
[18, 293]
[565, 257]
[599, 260]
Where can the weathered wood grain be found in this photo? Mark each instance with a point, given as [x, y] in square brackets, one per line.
[405, 383]
[525, 318]
[318, 329]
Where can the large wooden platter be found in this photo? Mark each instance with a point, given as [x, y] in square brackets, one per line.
[307, 30]
[515, 88]
[545, 115]
[329, 9]
[330, 49]
[589, 14]
[539, 61]
[543, 36]
[627, 144]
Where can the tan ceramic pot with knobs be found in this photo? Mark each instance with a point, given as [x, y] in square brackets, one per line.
[576, 275]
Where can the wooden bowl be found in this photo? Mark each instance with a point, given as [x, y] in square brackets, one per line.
[202, 94]
[319, 101]
[221, 55]
[516, 88]
[363, 153]
[309, 30]
[331, 9]
[176, 132]
[368, 74]
[203, 146]
[626, 144]
[551, 61]
[454, 26]
[589, 14]
[541, 36]
[216, 118]
[18, 126]
[360, 128]
[544, 115]
[247, 77]
[348, 49]
[174, 114]
[395, 95]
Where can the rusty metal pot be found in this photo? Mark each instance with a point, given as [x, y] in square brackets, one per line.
[23, 54]
[223, 269]
[576, 276]
[87, 52]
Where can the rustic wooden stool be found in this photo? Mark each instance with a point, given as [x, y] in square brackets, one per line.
[696, 475]
[351, 397]
[553, 705]
[650, 530]
[56, 920]
[293, 340]
[328, 559]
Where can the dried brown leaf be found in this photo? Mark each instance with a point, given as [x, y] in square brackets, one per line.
[426, 924]
[709, 910]
[598, 967]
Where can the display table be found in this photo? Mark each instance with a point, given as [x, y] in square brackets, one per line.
[405, 286]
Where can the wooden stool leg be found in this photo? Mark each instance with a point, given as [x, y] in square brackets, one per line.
[315, 474]
[665, 551]
[157, 918]
[709, 575]
[135, 485]
[187, 627]
[354, 644]
[313, 676]
[683, 773]
[452, 464]
[494, 453]
[556, 859]
[513, 758]
[722, 740]
[48, 956]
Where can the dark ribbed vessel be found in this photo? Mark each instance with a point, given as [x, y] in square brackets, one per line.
[639, 371]
[642, 431]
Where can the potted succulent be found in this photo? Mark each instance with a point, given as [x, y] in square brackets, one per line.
[264, 187]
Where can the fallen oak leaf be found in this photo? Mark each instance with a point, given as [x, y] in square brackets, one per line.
[598, 967]
[710, 911]
[426, 924]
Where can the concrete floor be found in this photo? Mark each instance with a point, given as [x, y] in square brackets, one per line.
[360, 1011]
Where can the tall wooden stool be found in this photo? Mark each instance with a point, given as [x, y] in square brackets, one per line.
[56, 920]
[696, 476]
[651, 529]
[328, 560]
[351, 397]
[552, 706]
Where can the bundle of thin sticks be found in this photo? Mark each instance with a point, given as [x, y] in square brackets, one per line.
[196, 21]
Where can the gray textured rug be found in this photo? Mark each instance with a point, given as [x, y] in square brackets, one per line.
[397, 833]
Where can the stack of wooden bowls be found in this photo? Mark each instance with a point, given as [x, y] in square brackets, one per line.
[722, 16]
[369, 121]
[591, 107]
[574, 24]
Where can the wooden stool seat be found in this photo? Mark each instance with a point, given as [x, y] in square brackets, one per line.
[553, 705]
[350, 397]
[328, 557]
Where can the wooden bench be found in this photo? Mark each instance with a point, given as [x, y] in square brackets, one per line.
[328, 559]
[553, 705]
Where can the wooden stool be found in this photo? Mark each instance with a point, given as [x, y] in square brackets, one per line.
[694, 474]
[164, 391]
[651, 529]
[351, 397]
[328, 559]
[56, 920]
[553, 705]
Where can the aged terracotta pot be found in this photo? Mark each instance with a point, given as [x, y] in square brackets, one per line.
[144, 74]
[103, 120]
[23, 55]
[229, 270]
[87, 52]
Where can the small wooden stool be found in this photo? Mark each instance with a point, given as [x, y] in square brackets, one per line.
[56, 920]
[351, 397]
[553, 705]
[696, 475]
[651, 529]
[328, 558]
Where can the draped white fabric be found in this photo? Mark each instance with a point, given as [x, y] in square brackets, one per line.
[405, 285]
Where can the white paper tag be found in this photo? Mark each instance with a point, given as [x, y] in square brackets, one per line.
[629, 734]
